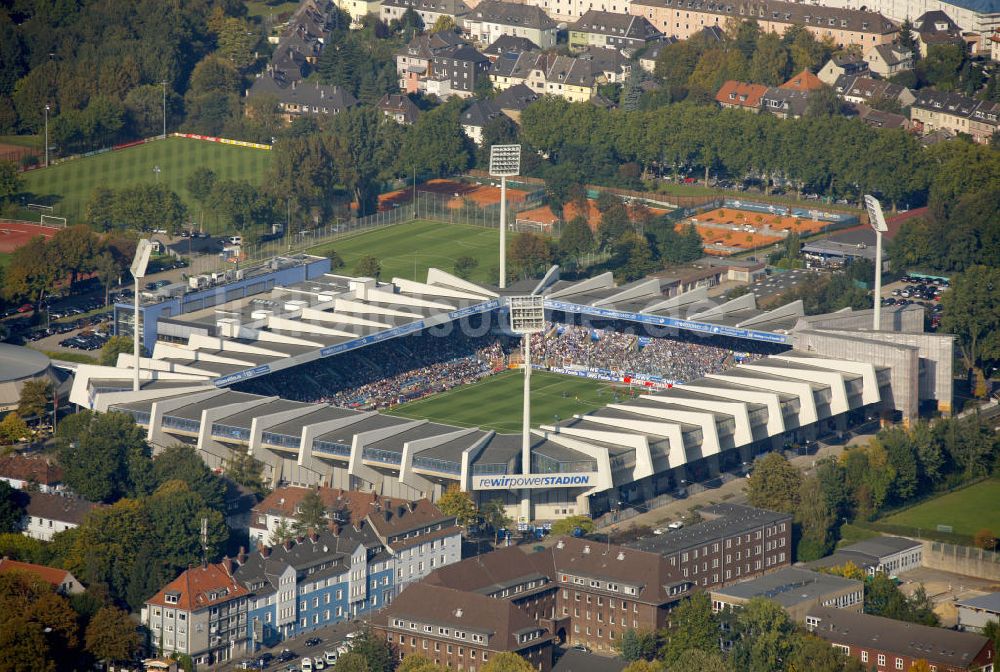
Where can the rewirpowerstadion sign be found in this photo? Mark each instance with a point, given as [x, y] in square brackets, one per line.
[532, 481]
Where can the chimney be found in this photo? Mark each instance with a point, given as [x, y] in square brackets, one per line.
[299, 539]
[312, 535]
[265, 551]
[288, 545]
[335, 528]
[412, 506]
[227, 566]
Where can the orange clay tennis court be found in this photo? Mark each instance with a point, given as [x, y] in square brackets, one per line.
[546, 218]
[481, 194]
[716, 239]
[17, 234]
[764, 223]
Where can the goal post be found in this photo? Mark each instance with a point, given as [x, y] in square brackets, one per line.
[54, 221]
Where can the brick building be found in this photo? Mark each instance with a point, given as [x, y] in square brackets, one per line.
[884, 644]
[734, 543]
[461, 629]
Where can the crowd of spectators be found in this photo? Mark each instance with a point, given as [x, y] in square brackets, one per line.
[407, 368]
[681, 357]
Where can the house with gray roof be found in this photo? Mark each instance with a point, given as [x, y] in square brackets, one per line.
[785, 103]
[507, 45]
[622, 32]
[399, 108]
[889, 555]
[865, 90]
[493, 18]
[297, 98]
[415, 62]
[935, 28]
[429, 10]
[475, 117]
[887, 60]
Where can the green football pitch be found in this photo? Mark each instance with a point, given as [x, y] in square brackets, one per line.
[967, 510]
[68, 186]
[408, 250]
[495, 402]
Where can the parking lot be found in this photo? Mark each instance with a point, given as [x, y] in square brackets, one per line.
[331, 638]
[779, 282]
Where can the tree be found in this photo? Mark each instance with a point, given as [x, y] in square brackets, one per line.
[109, 459]
[363, 145]
[75, 249]
[775, 485]
[31, 272]
[180, 462]
[10, 180]
[108, 269]
[368, 266]
[636, 645]
[35, 396]
[112, 636]
[12, 429]
[529, 254]
[312, 513]
[693, 626]
[816, 518]
[281, 533]
[11, 508]
[570, 524]
[444, 24]
[577, 239]
[848, 570]
[812, 654]
[458, 504]
[507, 662]
[418, 663]
[23, 647]
[375, 651]
[695, 660]
[351, 662]
[436, 145]
[763, 636]
[115, 346]
[465, 265]
[175, 513]
[992, 631]
[246, 470]
[642, 665]
[494, 515]
[632, 257]
[972, 313]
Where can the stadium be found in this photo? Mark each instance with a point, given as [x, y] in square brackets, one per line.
[404, 388]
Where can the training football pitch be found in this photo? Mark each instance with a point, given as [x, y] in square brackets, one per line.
[68, 186]
[408, 250]
[495, 402]
[967, 510]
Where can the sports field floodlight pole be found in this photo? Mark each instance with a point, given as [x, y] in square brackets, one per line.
[877, 221]
[46, 136]
[138, 268]
[164, 109]
[505, 161]
[527, 317]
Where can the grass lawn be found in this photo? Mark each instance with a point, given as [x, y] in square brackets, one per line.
[258, 8]
[4, 259]
[68, 186]
[33, 141]
[495, 403]
[967, 510]
[417, 246]
[78, 357]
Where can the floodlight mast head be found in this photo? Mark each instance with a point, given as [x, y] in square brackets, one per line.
[138, 268]
[527, 314]
[877, 220]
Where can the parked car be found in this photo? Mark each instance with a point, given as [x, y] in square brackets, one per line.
[313, 641]
[286, 655]
[676, 525]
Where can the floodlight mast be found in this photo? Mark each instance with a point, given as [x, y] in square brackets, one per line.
[527, 317]
[877, 221]
[138, 269]
[505, 161]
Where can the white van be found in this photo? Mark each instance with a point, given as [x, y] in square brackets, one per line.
[318, 663]
[307, 665]
[331, 657]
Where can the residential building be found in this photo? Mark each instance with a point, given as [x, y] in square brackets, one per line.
[785, 103]
[975, 612]
[741, 95]
[888, 555]
[47, 514]
[202, 613]
[647, 59]
[572, 78]
[868, 91]
[978, 16]
[301, 41]
[804, 81]
[63, 581]
[359, 9]
[513, 100]
[475, 117]
[415, 63]
[796, 590]
[936, 110]
[685, 18]
[879, 119]
[733, 543]
[608, 30]
[456, 72]
[885, 644]
[845, 63]
[37, 472]
[493, 18]
[399, 108]
[935, 28]
[324, 577]
[297, 98]
[418, 536]
[887, 60]
[460, 629]
[429, 10]
[507, 45]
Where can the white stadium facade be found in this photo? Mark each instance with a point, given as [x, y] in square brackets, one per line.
[827, 373]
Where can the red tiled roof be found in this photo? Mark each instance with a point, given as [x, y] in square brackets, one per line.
[804, 81]
[200, 587]
[742, 94]
[51, 575]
